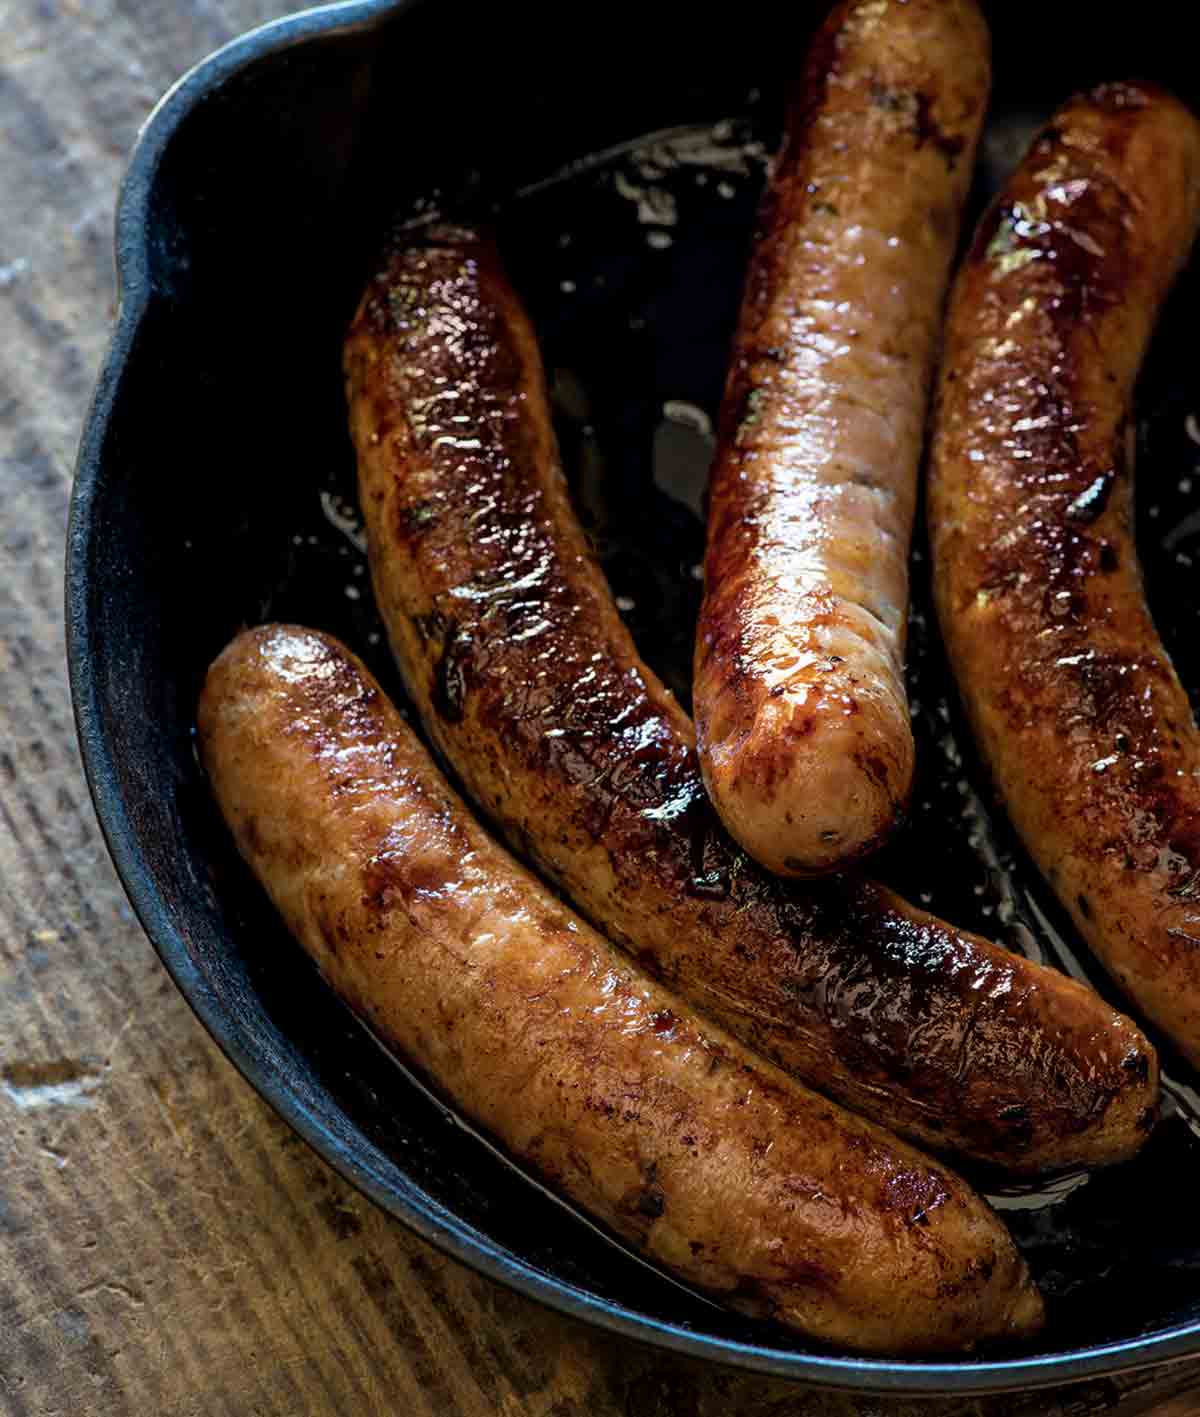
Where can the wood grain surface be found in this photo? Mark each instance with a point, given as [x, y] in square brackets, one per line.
[167, 1246]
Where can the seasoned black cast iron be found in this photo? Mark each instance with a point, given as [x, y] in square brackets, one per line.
[621, 158]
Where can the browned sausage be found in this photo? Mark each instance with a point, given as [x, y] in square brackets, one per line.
[711, 1162]
[802, 719]
[527, 680]
[1086, 727]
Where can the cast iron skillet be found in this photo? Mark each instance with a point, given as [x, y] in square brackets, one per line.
[215, 488]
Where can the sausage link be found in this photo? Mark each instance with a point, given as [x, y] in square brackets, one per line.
[528, 681]
[712, 1163]
[1076, 707]
[802, 718]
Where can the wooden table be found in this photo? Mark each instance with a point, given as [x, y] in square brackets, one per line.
[167, 1246]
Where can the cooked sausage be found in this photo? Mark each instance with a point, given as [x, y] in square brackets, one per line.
[802, 719]
[709, 1161]
[527, 680]
[1076, 707]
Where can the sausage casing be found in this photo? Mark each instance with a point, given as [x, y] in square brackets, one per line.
[529, 683]
[707, 1160]
[802, 720]
[1078, 712]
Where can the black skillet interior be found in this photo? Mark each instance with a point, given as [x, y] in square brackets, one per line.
[216, 490]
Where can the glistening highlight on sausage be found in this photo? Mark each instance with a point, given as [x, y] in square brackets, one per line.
[1074, 702]
[707, 1160]
[526, 678]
